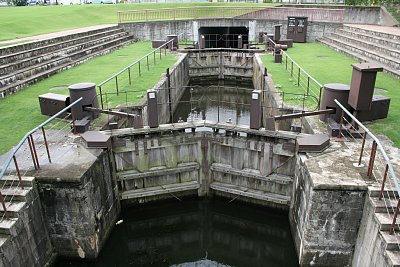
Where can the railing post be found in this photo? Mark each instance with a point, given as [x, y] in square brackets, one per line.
[154, 54]
[140, 72]
[34, 151]
[147, 60]
[286, 61]
[4, 205]
[116, 84]
[308, 85]
[46, 144]
[396, 212]
[362, 149]
[18, 172]
[160, 52]
[372, 159]
[341, 125]
[129, 76]
[32, 154]
[298, 78]
[291, 70]
[101, 98]
[383, 182]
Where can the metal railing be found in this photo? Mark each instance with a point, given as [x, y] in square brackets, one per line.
[125, 75]
[377, 161]
[184, 13]
[30, 152]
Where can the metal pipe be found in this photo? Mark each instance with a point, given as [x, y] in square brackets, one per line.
[303, 114]
[32, 154]
[34, 151]
[18, 172]
[362, 149]
[371, 160]
[4, 205]
[396, 212]
[46, 144]
[383, 182]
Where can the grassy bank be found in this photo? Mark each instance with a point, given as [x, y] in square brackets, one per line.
[329, 66]
[21, 112]
[17, 22]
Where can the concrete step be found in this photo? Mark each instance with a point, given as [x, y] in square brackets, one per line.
[159, 190]
[32, 70]
[250, 193]
[3, 239]
[7, 226]
[30, 61]
[375, 190]
[370, 54]
[16, 86]
[358, 56]
[394, 258]
[16, 48]
[16, 194]
[387, 42]
[12, 208]
[385, 220]
[53, 47]
[384, 205]
[8, 180]
[370, 46]
[392, 241]
[371, 32]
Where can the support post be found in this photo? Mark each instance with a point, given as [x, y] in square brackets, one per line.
[46, 144]
[255, 110]
[4, 205]
[35, 152]
[152, 109]
[32, 154]
[18, 172]
[396, 212]
[362, 149]
[383, 182]
[372, 159]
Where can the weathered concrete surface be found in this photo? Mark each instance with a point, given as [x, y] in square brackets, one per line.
[327, 206]
[25, 240]
[220, 64]
[79, 199]
[262, 167]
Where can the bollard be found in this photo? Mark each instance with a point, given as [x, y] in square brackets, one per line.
[202, 42]
[152, 109]
[255, 110]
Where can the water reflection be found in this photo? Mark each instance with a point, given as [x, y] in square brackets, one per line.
[216, 101]
[198, 233]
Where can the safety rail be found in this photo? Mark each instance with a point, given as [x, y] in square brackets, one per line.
[378, 162]
[30, 152]
[300, 77]
[127, 69]
[184, 13]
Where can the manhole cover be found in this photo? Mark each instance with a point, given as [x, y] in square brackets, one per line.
[59, 88]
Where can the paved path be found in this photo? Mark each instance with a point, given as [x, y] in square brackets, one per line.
[55, 34]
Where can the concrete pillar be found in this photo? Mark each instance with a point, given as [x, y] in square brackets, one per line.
[152, 109]
[255, 110]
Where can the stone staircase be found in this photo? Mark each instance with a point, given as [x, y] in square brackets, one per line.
[384, 210]
[24, 64]
[368, 45]
[23, 235]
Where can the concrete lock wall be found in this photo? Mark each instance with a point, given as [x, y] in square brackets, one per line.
[324, 218]
[253, 163]
[158, 30]
[80, 210]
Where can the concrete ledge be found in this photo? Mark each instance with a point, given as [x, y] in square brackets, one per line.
[159, 190]
[256, 194]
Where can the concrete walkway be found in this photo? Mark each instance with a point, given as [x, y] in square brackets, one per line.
[55, 34]
[377, 28]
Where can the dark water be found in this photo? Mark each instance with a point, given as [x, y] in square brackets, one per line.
[216, 101]
[198, 233]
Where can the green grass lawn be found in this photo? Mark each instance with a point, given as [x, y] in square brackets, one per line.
[21, 111]
[17, 22]
[329, 66]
